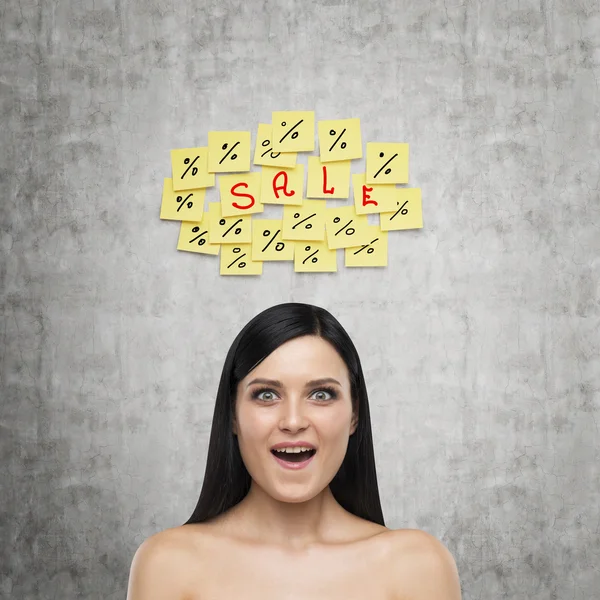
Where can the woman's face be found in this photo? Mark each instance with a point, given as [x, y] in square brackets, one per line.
[300, 392]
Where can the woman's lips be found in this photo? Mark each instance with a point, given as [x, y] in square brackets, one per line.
[294, 466]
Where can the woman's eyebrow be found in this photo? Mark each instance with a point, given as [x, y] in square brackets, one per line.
[323, 381]
[278, 384]
[272, 382]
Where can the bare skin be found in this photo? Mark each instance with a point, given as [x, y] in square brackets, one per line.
[289, 539]
[357, 565]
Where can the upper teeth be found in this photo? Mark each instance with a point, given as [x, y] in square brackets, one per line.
[298, 449]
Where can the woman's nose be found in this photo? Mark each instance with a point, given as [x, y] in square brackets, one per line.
[293, 416]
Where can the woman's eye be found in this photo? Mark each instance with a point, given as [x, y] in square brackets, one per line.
[323, 395]
[266, 395]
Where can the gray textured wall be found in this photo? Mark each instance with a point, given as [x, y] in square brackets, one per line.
[479, 341]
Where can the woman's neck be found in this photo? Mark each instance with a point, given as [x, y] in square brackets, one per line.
[296, 526]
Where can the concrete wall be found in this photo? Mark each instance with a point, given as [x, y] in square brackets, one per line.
[479, 341]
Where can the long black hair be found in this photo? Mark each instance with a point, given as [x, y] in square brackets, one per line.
[226, 479]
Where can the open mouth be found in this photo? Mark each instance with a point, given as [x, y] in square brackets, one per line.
[294, 456]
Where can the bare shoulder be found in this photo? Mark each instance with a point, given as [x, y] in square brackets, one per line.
[425, 568]
[159, 567]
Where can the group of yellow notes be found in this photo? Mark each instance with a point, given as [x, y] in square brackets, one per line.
[309, 234]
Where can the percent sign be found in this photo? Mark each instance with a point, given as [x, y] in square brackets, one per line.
[236, 232]
[401, 210]
[201, 241]
[224, 147]
[279, 246]
[183, 201]
[315, 259]
[308, 225]
[273, 154]
[194, 169]
[387, 171]
[370, 250]
[349, 230]
[241, 265]
[295, 134]
[342, 145]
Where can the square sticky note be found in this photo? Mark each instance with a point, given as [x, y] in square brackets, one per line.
[387, 163]
[282, 186]
[228, 230]
[267, 242]
[328, 181]
[339, 140]
[314, 257]
[408, 213]
[264, 153]
[194, 237]
[345, 228]
[293, 131]
[306, 222]
[236, 259]
[240, 194]
[189, 167]
[228, 151]
[186, 205]
[372, 198]
[371, 254]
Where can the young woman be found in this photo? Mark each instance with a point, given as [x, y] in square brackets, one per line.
[289, 507]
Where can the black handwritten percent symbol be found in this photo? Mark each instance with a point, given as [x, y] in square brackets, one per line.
[273, 154]
[315, 259]
[183, 201]
[308, 225]
[342, 145]
[279, 246]
[237, 231]
[224, 147]
[194, 170]
[241, 265]
[202, 240]
[295, 134]
[404, 212]
[387, 171]
[349, 230]
[370, 250]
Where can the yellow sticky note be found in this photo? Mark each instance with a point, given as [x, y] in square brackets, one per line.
[293, 131]
[345, 228]
[236, 259]
[371, 254]
[282, 186]
[240, 194]
[339, 140]
[372, 198]
[194, 237]
[387, 163]
[328, 181]
[228, 230]
[228, 151]
[187, 205]
[264, 153]
[408, 214]
[190, 169]
[306, 222]
[314, 257]
[267, 243]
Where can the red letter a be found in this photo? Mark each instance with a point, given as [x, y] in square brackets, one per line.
[283, 188]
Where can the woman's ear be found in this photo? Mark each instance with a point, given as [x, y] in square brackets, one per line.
[354, 424]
